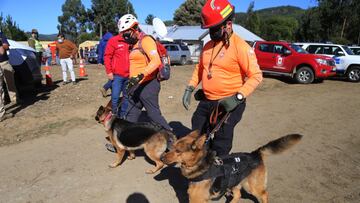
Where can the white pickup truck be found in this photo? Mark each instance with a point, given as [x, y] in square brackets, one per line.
[347, 63]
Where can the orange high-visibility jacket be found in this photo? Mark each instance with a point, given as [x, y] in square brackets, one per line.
[139, 63]
[233, 70]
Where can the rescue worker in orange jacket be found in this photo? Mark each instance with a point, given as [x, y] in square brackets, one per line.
[143, 85]
[229, 73]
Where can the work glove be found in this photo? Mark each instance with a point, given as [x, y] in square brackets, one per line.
[187, 96]
[133, 81]
[230, 103]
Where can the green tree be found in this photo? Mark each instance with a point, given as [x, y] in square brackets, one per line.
[279, 28]
[104, 14]
[11, 29]
[310, 27]
[149, 19]
[169, 22]
[189, 13]
[74, 19]
[252, 20]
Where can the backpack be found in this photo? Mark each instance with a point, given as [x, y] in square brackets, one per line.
[164, 68]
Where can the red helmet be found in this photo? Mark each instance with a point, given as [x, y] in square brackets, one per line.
[215, 12]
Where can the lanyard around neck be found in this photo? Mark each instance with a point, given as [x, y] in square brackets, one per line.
[213, 59]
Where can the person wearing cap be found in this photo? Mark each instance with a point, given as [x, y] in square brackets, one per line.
[67, 51]
[228, 71]
[144, 87]
[34, 43]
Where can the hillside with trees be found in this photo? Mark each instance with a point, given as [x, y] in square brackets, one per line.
[331, 20]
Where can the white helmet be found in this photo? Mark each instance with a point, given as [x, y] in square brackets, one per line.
[126, 22]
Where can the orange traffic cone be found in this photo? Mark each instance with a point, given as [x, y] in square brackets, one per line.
[48, 77]
[82, 72]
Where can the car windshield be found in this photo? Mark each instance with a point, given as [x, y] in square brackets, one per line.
[348, 50]
[298, 49]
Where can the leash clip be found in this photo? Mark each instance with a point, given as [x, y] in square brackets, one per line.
[218, 161]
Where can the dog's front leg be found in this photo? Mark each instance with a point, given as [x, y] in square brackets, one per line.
[131, 155]
[119, 156]
[199, 192]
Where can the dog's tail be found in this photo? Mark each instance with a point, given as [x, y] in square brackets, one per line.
[279, 145]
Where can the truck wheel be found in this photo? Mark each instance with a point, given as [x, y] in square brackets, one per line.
[304, 75]
[353, 74]
[183, 60]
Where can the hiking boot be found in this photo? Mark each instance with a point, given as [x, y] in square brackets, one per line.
[110, 147]
[6, 116]
[103, 92]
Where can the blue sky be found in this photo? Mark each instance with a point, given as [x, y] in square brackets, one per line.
[42, 14]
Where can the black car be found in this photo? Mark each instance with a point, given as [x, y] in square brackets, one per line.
[27, 70]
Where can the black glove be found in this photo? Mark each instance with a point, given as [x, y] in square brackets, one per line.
[230, 103]
[187, 97]
[133, 81]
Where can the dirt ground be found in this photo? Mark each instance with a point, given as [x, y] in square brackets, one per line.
[53, 150]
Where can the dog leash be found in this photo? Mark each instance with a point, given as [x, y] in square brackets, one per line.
[213, 118]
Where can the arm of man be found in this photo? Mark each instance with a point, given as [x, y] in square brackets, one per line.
[74, 49]
[249, 66]
[4, 44]
[149, 47]
[108, 57]
[197, 75]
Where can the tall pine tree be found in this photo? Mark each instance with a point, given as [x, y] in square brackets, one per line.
[189, 13]
[74, 19]
[104, 14]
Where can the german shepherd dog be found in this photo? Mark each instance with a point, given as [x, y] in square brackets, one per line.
[128, 136]
[196, 160]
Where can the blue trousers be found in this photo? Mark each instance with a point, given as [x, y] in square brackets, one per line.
[147, 96]
[118, 86]
[107, 85]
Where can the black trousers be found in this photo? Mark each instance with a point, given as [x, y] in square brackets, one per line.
[147, 96]
[222, 142]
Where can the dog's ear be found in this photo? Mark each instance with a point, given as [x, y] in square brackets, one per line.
[199, 143]
[194, 134]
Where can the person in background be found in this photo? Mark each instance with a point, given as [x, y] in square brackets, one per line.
[4, 45]
[86, 54]
[81, 53]
[67, 51]
[8, 72]
[34, 43]
[116, 60]
[228, 71]
[101, 51]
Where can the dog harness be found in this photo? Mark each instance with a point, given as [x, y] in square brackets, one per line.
[228, 171]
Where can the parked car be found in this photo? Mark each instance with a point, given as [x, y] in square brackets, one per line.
[179, 53]
[347, 63]
[93, 56]
[286, 59]
[27, 70]
[356, 50]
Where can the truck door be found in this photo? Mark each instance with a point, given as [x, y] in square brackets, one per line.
[265, 56]
[284, 60]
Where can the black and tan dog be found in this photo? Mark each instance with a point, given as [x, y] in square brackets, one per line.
[210, 176]
[127, 136]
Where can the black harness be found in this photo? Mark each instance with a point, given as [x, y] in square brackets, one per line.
[228, 171]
